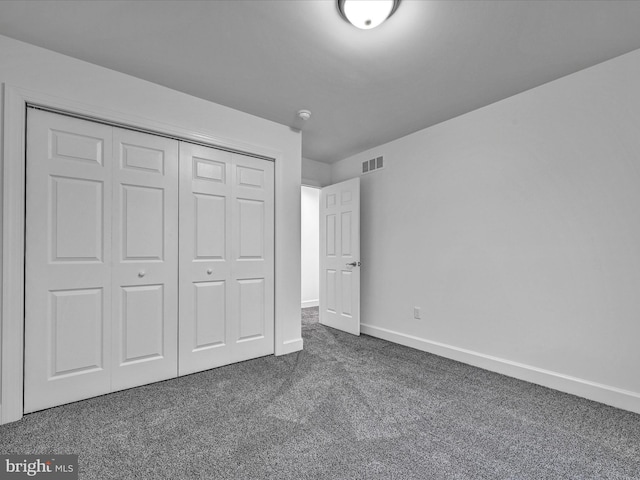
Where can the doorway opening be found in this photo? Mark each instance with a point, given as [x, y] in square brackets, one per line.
[330, 250]
[310, 252]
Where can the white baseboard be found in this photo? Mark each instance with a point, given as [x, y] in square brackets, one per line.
[606, 394]
[310, 303]
[290, 346]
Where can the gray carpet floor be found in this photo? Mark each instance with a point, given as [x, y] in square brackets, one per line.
[344, 408]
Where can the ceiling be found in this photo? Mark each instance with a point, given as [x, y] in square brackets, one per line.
[431, 61]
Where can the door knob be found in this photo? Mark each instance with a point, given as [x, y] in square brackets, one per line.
[141, 273]
[209, 271]
[353, 264]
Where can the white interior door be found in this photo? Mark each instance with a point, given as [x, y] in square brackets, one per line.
[145, 258]
[340, 256]
[68, 260]
[226, 258]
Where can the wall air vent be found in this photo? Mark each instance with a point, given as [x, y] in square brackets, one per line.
[372, 165]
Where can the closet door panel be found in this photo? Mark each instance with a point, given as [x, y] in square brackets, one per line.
[210, 214]
[68, 256]
[210, 313]
[145, 251]
[205, 237]
[252, 281]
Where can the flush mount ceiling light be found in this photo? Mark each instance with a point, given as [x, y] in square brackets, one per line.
[366, 14]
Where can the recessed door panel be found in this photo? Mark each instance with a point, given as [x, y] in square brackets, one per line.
[250, 177]
[209, 170]
[76, 219]
[251, 228]
[143, 323]
[139, 157]
[330, 235]
[143, 228]
[346, 286]
[330, 290]
[76, 331]
[251, 308]
[210, 226]
[76, 146]
[210, 312]
[345, 233]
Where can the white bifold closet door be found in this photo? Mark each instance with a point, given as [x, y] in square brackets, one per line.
[115, 221]
[226, 258]
[101, 259]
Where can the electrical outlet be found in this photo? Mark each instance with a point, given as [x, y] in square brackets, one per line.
[416, 313]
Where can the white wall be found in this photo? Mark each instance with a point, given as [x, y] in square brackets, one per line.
[315, 173]
[310, 246]
[516, 229]
[33, 68]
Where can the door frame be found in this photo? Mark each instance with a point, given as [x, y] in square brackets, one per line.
[16, 100]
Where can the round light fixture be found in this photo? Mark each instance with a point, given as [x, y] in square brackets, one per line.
[366, 14]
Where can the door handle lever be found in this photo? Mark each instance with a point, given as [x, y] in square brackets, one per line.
[353, 264]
